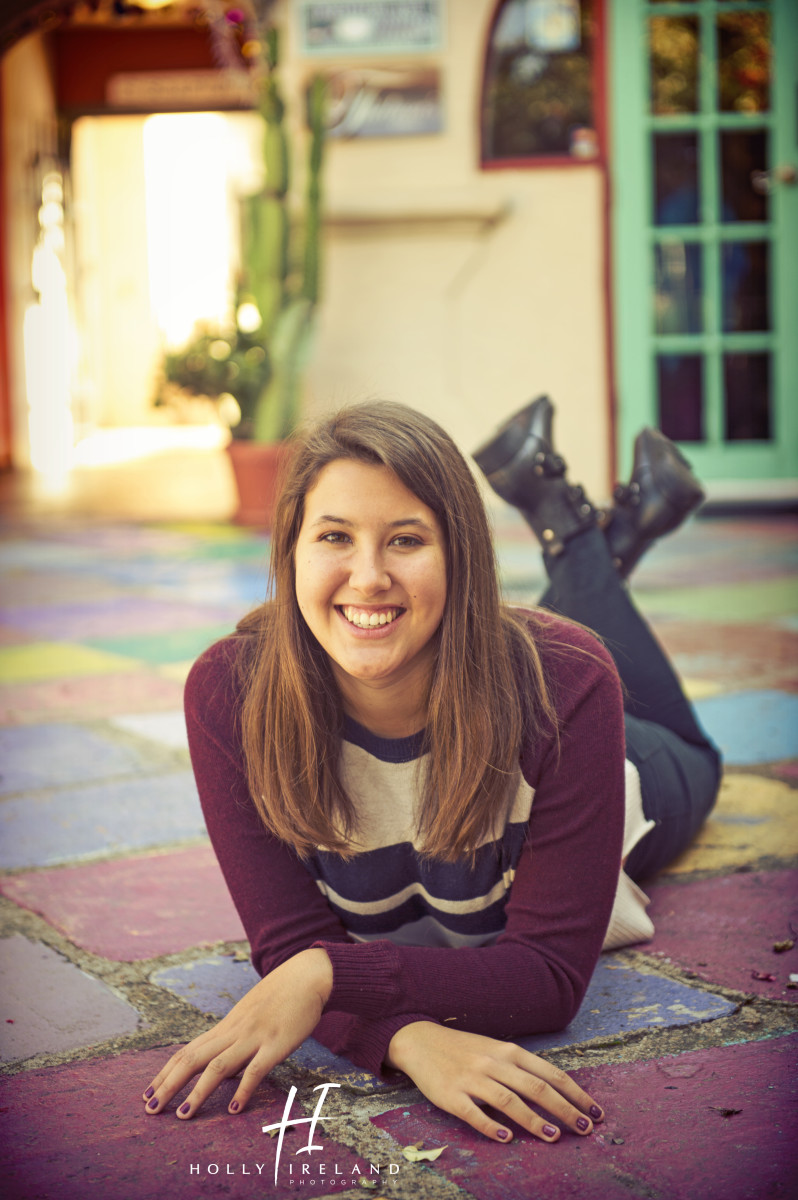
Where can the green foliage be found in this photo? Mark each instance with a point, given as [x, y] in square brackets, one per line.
[216, 364]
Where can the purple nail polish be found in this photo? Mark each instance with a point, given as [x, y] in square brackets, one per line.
[149, 1092]
[153, 1103]
[503, 1134]
[582, 1123]
[184, 1108]
[595, 1111]
[549, 1131]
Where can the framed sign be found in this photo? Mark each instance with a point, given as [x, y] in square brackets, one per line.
[345, 27]
[376, 102]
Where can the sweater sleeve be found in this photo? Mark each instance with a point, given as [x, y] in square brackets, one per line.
[535, 975]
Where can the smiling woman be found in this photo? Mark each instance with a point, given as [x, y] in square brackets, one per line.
[418, 796]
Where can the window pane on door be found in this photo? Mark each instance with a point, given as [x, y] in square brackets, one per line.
[744, 62]
[676, 198]
[746, 286]
[747, 403]
[680, 395]
[741, 154]
[678, 288]
[674, 64]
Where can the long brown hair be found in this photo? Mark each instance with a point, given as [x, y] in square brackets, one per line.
[487, 689]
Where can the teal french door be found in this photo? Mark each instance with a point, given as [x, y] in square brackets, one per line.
[704, 176]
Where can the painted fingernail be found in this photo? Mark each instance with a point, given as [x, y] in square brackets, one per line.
[582, 1123]
[234, 1106]
[153, 1103]
[149, 1092]
[549, 1131]
[595, 1111]
[502, 1134]
[184, 1108]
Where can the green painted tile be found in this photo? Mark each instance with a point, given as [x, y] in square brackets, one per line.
[752, 601]
[176, 646]
[57, 660]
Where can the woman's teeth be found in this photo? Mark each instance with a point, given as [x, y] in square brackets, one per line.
[369, 620]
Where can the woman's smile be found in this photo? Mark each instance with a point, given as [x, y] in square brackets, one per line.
[371, 578]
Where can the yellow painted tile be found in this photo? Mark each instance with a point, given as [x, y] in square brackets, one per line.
[699, 689]
[176, 670]
[56, 660]
[753, 817]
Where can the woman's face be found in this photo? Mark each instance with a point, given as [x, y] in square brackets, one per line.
[370, 575]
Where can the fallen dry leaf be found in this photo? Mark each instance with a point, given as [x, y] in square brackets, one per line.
[416, 1154]
[726, 1112]
[780, 947]
[763, 976]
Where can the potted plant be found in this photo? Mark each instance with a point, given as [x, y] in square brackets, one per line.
[253, 369]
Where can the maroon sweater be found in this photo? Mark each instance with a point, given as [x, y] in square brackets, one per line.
[532, 978]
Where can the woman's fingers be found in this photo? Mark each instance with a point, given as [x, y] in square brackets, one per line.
[224, 1066]
[564, 1085]
[181, 1067]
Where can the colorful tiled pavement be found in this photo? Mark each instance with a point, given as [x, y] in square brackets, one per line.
[118, 939]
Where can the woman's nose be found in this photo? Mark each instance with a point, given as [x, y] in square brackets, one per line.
[369, 574]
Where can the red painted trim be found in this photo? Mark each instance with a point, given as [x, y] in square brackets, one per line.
[5, 366]
[599, 98]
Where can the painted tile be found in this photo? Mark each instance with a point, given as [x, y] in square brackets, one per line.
[125, 615]
[752, 727]
[55, 660]
[40, 756]
[753, 818]
[98, 819]
[177, 670]
[48, 1005]
[89, 696]
[134, 908]
[81, 1130]
[43, 587]
[167, 728]
[665, 1133]
[215, 984]
[620, 999]
[751, 601]
[724, 929]
[738, 656]
[699, 689]
[155, 648]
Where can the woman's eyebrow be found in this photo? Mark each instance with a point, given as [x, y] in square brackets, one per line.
[328, 518]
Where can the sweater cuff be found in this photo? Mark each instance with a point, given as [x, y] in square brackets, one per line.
[366, 978]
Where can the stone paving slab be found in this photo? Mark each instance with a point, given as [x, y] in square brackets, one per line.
[724, 929]
[40, 756]
[166, 728]
[732, 655]
[37, 588]
[753, 818]
[58, 660]
[176, 646]
[81, 1131]
[99, 818]
[665, 1136]
[620, 1000]
[752, 727]
[110, 618]
[134, 908]
[89, 697]
[48, 1005]
[754, 600]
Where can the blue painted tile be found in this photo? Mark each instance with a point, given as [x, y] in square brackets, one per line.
[96, 819]
[48, 1005]
[40, 756]
[214, 985]
[752, 727]
[92, 621]
[620, 1000]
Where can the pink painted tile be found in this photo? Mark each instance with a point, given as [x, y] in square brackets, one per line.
[89, 696]
[724, 929]
[665, 1133]
[134, 908]
[81, 1131]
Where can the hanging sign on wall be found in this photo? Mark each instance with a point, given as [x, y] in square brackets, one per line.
[345, 27]
[372, 102]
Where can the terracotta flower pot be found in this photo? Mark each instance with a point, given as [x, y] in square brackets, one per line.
[257, 467]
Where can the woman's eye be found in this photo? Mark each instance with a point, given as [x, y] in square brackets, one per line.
[334, 537]
[406, 539]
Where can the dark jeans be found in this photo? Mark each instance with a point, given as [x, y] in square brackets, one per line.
[679, 766]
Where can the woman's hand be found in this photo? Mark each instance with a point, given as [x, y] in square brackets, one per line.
[274, 1017]
[460, 1071]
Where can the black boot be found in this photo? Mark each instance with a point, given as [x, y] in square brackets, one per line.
[662, 491]
[522, 467]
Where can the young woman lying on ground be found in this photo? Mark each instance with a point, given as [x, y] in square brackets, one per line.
[429, 807]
